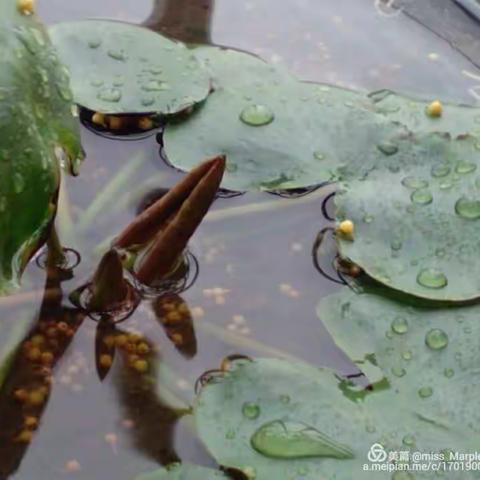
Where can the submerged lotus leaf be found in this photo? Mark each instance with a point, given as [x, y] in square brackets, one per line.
[428, 355]
[275, 419]
[35, 120]
[417, 219]
[121, 68]
[455, 119]
[280, 136]
[230, 68]
[184, 472]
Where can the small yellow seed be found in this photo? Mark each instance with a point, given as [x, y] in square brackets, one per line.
[47, 358]
[141, 366]
[25, 436]
[435, 109]
[115, 123]
[143, 348]
[27, 7]
[36, 398]
[109, 341]
[34, 354]
[346, 227]
[121, 340]
[173, 317]
[145, 123]
[106, 361]
[98, 119]
[38, 340]
[31, 422]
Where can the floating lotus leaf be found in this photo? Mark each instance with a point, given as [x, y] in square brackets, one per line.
[455, 119]
[121, 68]
[428, 355]
[184, 472]
[35, 119]
[417, 218]
[274, 419]
[280, 136]
[231, 68]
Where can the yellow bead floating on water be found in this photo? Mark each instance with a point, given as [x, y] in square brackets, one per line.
[435, 109]
[346, 228]
[98, 119]
[27, 7]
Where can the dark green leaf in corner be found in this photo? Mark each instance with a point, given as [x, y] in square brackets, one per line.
[121, 68]
[36, 121]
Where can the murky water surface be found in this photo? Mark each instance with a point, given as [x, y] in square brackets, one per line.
[257, 288]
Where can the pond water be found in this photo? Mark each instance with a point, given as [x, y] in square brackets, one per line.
[257, 288]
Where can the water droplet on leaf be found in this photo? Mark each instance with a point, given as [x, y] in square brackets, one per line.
[251, 410]
[468, 208]
[292, 440]
[432, 278]
[421, 197]
[257, 115]
[436, 339]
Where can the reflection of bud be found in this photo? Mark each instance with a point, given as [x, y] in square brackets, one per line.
[173, 313]
[108, 288]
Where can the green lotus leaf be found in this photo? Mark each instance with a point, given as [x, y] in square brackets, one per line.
[230, 68]
[417, 218]
[275, 419]
[430, 356]
[121, 68]
[35, 121]
[455, 119]
[280, 136]
[184, 472]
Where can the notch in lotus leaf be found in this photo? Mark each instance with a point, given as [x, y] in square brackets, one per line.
[118, 68]
[36, 123]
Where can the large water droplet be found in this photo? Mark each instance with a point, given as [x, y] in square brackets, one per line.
[291, 440]
[425, 392]
[251, 410]
[156, 86]
[400, 325]
[441, 170]
[432, 278]
[421, 197]
[465, 167]
[388, 148]
[436, 339]
[117, 55]
[110, 95]
[468, 208]
[414, 183]
[257, 115]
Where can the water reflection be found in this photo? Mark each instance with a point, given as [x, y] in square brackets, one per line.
[173, 313]
[27, 387]
[185, 20]
[153, 420]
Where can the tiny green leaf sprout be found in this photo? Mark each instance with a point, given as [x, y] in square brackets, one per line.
[435, 109]
[346, 228]
[26, 7]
